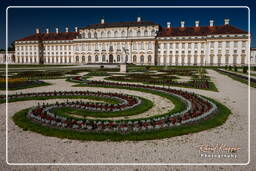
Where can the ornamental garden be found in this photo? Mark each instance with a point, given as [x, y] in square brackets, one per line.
[100, 116]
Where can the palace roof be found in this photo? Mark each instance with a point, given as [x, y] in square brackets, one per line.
[50, 36]
[199, 31]
[120, 24]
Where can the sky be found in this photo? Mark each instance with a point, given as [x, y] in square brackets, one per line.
[23, 21]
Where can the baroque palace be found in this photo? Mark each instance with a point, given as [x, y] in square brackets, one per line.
[138, 42]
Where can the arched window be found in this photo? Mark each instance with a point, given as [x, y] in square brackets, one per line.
[153, 32]
[123, 34]
[134, 59]
[109, 34]
[130, 33]
[95, 34]
[138, 33]
[116, 34]
[146, 33]
[118, 58]
[89, 59]
[89, 35]
[83, 58]
[149, 58]
[77, 58]
[142, 59]
[103, 58]
[102, 34]
[96, 58]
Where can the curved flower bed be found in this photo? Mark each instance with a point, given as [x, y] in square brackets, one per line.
[197, 108]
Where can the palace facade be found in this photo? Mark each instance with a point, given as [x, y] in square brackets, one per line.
[138, 42]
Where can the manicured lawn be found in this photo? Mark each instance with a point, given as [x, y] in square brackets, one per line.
[66, 111]
[107, 100]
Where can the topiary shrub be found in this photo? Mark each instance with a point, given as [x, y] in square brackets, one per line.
[235, 68]
[245, 68]
[226, 67]
[230, 67]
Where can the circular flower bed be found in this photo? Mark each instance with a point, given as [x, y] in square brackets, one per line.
[198, 113]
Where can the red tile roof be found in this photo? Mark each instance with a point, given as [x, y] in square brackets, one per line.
[50, 36]
[199, 31]
[121, 24]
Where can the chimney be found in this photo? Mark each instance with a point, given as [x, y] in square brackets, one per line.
[226, 21]
[76, 29]
[37, 31]
[138, 19]
[47, 31]
[168, 24]
[197, 23]
[57, 30]
[182, 24]
[211, 22]
[66, 29]
[102, 20]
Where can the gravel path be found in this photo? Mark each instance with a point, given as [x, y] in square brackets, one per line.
[31, 147]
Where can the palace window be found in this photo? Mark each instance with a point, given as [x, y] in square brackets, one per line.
[134, 58]
[96, 46]
[89, 47]
[227, 44]
[170, 45]
[96, 58]
[118, 58]
[219, 44]
[116, 34]
[103, 58]
[196, 45]
[77, 58]
[153, 32]
[212, 44]
[146, 33]
[109, 34]
[150, 45]
[235, 51]
[134, 46]
[183, 45]
[244, 44]
[142, 59]
[89, 35]
[243, 51]
[235, 44]
[95, 34]
[138, 33]
[89, 59]
[123, 34]
[83, 58]
[142, 46]
[149, 58]
[165, 46]
[102, 34]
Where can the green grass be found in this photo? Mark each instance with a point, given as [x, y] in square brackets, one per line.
[66, 111]
[212, 86]
[107, 100]
[27, 86]
[217, 119]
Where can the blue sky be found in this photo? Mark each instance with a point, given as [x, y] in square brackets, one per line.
[24, 21]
